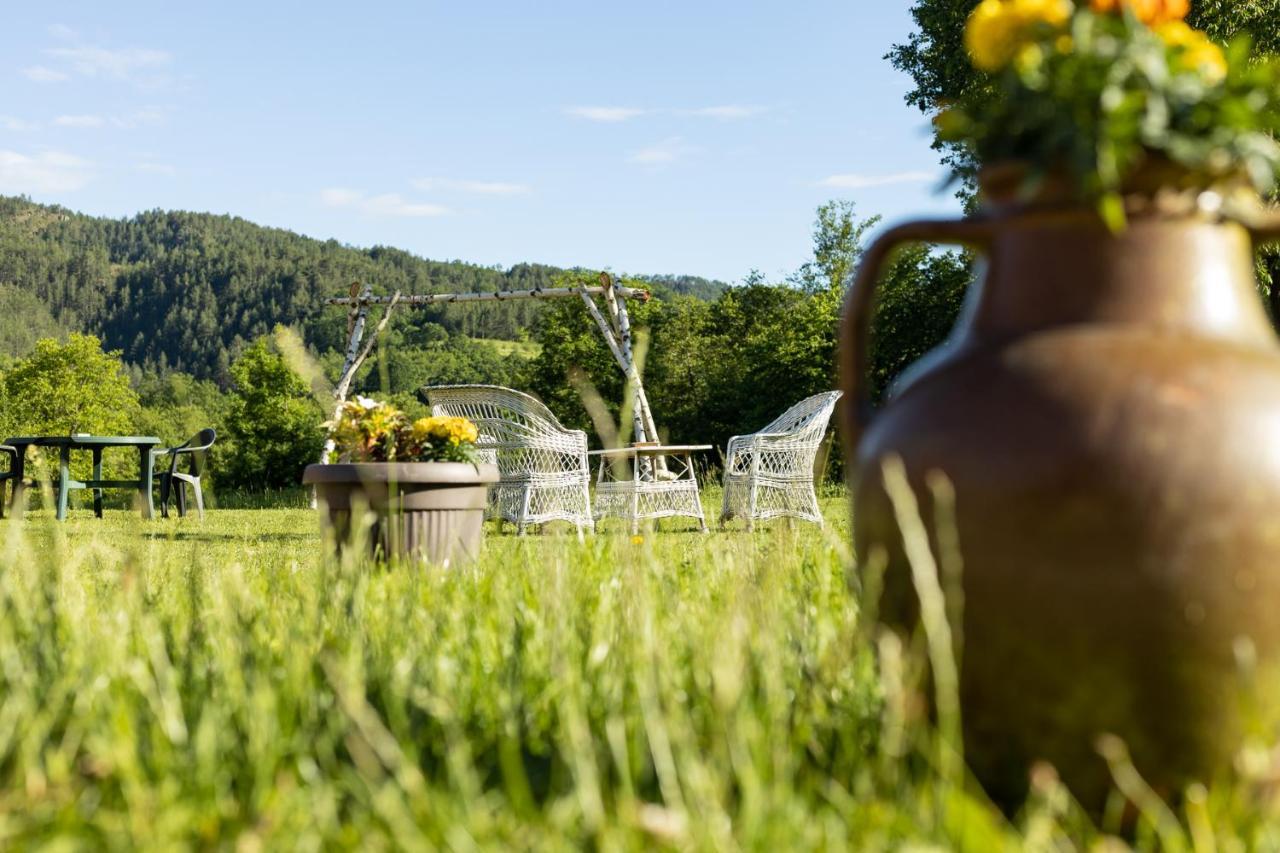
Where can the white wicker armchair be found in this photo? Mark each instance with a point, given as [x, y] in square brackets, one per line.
[770, 473]
[544, 473]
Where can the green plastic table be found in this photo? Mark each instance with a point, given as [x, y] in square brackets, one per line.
[95, 444]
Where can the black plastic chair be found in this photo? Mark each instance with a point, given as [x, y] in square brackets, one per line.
[173, 483]
[11, 473]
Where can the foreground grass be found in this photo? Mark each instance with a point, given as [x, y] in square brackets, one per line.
[222, 684]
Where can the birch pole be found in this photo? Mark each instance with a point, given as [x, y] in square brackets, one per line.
[355, 358]
[628, 367]
[618, 304]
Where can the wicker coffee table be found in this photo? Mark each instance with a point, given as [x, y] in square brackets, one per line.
[633, 484]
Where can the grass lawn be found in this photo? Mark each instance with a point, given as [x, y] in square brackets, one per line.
[221, 684]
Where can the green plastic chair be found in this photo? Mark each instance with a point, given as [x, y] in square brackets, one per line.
[173, 483]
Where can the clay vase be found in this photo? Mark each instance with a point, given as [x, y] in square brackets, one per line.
[1108, 415]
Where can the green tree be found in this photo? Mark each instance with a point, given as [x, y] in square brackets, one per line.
[62, 388]
[175, 406]
[919, 300]
[837, 243]
[272, 423]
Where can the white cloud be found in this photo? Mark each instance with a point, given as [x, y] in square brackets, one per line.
[862, 182]
[335, 197]
[139, 118]
[608, 114]
[725, 112]
[80, 121]
[387, 204]
[667, 151]
[44, 74]
[48, 171]
[475, 187]
[63, 32]
[100, 61]
[17, 125]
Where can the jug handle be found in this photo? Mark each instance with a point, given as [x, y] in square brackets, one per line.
[1265, 228]
[855, 325]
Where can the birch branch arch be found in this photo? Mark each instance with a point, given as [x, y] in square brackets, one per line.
[613, 322]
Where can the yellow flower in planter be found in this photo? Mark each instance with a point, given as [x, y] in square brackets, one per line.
[1194, 49]
[998, 30]
[453, 430]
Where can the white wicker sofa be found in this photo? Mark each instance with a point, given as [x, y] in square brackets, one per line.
[544, 472]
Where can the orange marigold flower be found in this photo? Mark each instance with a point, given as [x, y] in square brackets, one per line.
[1150, 12]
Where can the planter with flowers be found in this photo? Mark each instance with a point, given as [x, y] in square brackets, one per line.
[1106, 411]
[420, 479]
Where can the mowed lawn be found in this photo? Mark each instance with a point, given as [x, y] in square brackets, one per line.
[176, 684]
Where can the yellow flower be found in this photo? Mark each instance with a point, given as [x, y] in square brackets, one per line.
[637, 540]
[440, 428]
[999, 30]
[1194, 50]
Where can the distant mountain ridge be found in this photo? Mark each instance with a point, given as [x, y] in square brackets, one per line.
[187, 291]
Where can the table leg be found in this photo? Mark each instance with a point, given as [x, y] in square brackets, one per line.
[147, 467]
[64, 480]
[697, 495]
[97, 475]
[19, 482]
[635, 501]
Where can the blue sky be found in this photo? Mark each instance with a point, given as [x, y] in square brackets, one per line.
[655, 137]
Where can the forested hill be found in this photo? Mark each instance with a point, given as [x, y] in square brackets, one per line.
[188, 291]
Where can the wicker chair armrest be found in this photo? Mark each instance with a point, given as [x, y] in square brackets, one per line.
[760, 440]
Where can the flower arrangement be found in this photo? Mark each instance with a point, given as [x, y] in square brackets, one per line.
[1097, 90]
[369, 431]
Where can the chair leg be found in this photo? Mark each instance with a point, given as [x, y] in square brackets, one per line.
[524, 510]
[199, 493]
[180, 497]
[166, 486]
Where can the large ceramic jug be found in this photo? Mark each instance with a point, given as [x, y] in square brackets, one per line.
[1108, 413]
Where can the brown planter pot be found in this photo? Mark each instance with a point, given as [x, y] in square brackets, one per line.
[1107, 413]
[428, 510]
